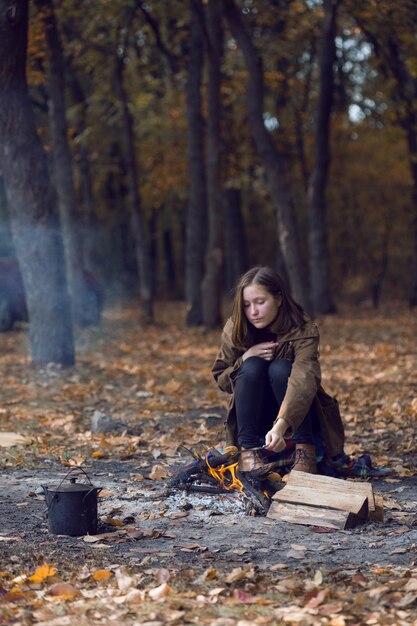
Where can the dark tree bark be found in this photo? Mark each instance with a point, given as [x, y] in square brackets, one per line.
[115, 196]
[235, 238]
[85, 308]
[320, 290]
[299, 115]
[380, 272]
[169, 256]
[406, 96]
[82, 162]
[6, 240]
[153, 250]
[212, 283]
[34, 219]
[272, 161]
[280, 267]
[412, 151]
[197, 202]
[138, 222]
[394, 66]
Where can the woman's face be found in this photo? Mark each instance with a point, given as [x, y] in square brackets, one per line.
[259, 306]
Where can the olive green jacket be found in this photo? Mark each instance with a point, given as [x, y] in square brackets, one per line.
[301, 347]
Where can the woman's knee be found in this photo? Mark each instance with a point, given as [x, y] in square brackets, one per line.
[253, 369]
[280, 370]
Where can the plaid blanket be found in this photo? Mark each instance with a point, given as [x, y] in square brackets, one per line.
[341, 466]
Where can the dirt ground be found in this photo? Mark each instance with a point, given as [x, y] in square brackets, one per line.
[197, 530]
[167, 557]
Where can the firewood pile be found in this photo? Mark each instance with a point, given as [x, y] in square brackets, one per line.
[326, 502]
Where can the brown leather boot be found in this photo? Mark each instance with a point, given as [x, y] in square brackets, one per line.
[305, 458]
[249, 461]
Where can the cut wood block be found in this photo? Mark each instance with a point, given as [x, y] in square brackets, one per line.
[322, 496]
[312, 515]
[10, 439]
[334, 484]
[377, 515]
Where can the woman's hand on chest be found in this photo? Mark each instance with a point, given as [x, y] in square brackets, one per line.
[265, 350]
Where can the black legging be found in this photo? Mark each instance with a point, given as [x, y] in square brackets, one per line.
[260, 388]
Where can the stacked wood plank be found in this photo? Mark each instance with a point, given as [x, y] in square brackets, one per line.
[323, 501]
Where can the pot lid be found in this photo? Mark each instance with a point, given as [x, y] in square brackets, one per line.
[71, 487]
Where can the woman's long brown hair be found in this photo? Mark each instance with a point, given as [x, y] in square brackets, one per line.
[290, 314]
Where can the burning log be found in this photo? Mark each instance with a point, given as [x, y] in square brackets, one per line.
[216, 471]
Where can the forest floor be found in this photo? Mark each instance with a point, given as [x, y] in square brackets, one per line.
[172, 558]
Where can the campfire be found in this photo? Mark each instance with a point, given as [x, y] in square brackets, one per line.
[309, 499]
[216, 471]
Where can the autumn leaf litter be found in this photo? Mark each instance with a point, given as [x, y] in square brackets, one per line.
[189, 558]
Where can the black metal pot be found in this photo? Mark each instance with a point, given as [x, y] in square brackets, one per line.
[72, 506]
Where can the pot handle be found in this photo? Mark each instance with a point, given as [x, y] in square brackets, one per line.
[45, 487]
[96, 489]
[76, 469]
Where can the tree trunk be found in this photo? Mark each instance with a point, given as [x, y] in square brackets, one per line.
[320, 290]
[34, 219]
[412, 158]
[85, 309]
[395, 66]
[235, 249]
[272, 162]
[197, 202]
[169, 257]
[138, 222]
[6, 241]
[281, 267]
[82, 161]
[212, 283]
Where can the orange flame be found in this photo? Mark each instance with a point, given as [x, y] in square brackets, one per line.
[226, 475]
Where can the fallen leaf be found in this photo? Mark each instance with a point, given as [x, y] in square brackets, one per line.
[208, 574]
[178, 515]
[407, 600]
[65, 591]
[123, 579]
[295, 554]
[42, 573]
[193, 547]
[163, 591]
[411, 585]
[216, 591]
[104, 494]
[237, 573]
[163, 575]
[360, 579]
[318, 599]
[100, 537]
[14, 595]
[246, 598]
[159, 472]
[113, 521]
[172, 387]
[101, 575]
